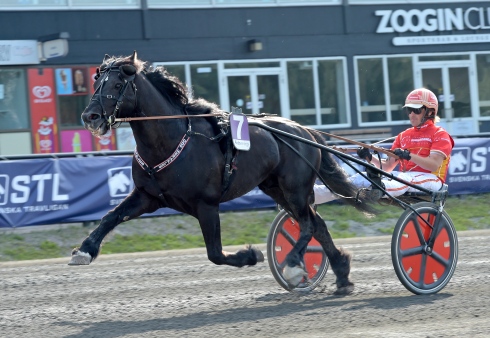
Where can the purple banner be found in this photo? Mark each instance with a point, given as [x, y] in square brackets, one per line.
[468, 170]
[77, 189]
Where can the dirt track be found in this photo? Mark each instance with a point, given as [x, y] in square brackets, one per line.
[182, 294]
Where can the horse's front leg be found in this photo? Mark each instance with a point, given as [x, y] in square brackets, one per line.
[209, 221]
[136, 204]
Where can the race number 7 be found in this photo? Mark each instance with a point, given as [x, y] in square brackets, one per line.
[239, 131]
[240, 119]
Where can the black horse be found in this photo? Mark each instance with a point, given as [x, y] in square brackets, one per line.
[188, 164]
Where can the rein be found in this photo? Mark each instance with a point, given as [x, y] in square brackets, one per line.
[364, 145]
[129, 119]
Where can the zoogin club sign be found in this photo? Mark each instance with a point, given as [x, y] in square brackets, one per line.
[440, 20]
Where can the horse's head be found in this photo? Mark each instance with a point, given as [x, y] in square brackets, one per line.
[114, 93]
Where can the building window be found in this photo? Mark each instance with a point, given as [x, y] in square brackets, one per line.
[383, 84]
[460, 85]
[177, 71]
[331, 82]
[204, 79]
[72, 89]
[301, 92]
[483, 71]
[371, 90]
[400, 76]
[14, 112]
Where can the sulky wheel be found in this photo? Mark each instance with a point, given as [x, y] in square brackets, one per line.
[283, 234]
[420, 270]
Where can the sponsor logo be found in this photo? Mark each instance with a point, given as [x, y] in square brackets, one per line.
[431, 20]
[31, 193]
[4, 189]
[41, 91]
[120, 184]
[42, 94]
[465, 160]
[460, 161]
[468, 165]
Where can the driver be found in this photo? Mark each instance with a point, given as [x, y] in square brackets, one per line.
[424, 152]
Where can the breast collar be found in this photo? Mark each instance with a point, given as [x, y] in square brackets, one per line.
[164, 164]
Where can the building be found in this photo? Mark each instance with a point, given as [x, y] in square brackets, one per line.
[342, 66]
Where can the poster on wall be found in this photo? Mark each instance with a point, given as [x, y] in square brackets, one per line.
[72, 81]
[92, 73]
[80, 80]
[43, 110]
[75, 141]
[105, 142]
[64, 81]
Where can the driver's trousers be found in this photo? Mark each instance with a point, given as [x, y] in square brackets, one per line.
[394, 188]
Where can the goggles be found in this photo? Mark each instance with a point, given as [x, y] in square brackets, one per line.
[416, 111]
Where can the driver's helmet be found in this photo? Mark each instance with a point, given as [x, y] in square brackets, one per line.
[422, 97]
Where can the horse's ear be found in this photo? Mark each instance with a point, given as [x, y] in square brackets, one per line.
[127, 70]
[106, 57]
[134, 57]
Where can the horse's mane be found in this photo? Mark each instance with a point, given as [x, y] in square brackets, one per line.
[176, 93]
[168, 85]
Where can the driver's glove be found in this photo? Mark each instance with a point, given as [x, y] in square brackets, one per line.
[364, 154]
[403, 154]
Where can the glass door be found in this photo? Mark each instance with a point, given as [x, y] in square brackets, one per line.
[255, 91]
[452, 84]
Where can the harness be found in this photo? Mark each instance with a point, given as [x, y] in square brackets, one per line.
[230, 156]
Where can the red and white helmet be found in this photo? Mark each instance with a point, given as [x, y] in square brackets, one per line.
[422, 97]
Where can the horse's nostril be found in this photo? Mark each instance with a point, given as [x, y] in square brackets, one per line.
[94, 117]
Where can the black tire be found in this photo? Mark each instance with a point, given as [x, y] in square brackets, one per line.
[418, 271]
[283, 233]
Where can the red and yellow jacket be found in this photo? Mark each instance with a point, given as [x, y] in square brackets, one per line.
[423, 141]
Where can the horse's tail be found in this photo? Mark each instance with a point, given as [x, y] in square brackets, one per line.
[337, 180]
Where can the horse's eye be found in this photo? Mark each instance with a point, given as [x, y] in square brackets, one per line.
[118, 86]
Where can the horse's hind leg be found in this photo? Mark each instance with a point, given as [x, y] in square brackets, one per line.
[338, 258]
[208, 217]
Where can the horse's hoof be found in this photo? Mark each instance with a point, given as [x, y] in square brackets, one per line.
[80, 258]
[259, 255]
[344, 290]
[294, 275]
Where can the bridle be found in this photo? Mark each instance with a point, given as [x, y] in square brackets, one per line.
[115, 121]
[97, 96]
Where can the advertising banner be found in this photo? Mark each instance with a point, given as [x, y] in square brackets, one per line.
[18, 52]
[76, 141]
[92, 73]
[49, 191]
[77, 189]
[468, 170]
[106, 142]
[64, 81]
[43, 110]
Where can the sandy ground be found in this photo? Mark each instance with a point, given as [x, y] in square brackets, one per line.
[181, 294]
